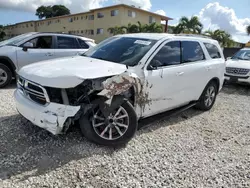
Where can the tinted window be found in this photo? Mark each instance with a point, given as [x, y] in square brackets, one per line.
[191, 52]
[212, 50]
[66, 43]
[44, 42]
[169, 54]
[83, 44]
[129, 53]
[242, 54]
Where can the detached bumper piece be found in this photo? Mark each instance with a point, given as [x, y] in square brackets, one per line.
[51, 116]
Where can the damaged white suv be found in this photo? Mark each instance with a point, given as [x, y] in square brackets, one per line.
[120, 81]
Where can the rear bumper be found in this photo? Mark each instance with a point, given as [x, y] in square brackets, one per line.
[51, 117]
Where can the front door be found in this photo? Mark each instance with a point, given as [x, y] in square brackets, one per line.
[164, 76]
[175, 76]
[42, 49]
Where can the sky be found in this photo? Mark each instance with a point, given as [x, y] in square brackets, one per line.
[229, 15]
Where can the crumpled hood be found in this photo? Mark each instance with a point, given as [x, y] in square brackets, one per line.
[69, 72]
[237, 63]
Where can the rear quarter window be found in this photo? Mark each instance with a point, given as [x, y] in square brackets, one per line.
[213, 51]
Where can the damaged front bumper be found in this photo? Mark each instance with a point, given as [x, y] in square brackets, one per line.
[51, 117]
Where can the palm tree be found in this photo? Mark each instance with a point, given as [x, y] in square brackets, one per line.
[221, 36]
[116, 30]
[248, 30]
[131, 28]
[186, 25]
[153, 28]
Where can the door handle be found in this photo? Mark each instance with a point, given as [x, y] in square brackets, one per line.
[208, 68]
[49, 54]
[179, 73]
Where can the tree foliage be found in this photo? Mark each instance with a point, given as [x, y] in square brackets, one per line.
[221, 36]
[2, 33]
[189, 26]
[248, 30]
[136, 28]
[51, 11]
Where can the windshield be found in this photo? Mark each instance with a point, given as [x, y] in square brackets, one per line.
[13, 41]
[122, 50]
[242, 54]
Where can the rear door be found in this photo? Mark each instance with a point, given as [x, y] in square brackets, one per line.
[66, 46]
[196, 70]
[43, 49]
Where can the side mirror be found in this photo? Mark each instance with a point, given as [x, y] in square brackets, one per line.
[151, 67]
[27, 45]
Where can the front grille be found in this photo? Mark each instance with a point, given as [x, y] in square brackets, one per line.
[237, 71]
[33, 91]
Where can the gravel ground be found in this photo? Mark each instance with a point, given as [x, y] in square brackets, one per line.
[191, 149]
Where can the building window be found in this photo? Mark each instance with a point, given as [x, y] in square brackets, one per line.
[91, 17]
[114, 12]
[89, 32]
[81, 31]
[27, 25]
[99, 31]
[100, 15]
[131, 14]
[81, 17]
[70, 19]
[31, 25]
[151, 19]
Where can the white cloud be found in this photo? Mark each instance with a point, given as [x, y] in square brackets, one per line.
[144, 4]
[161, 12]
[215, 16]
[32, 5]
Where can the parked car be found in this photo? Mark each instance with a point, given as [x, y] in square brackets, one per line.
[112, 86]
[32, 47]
[238, 67]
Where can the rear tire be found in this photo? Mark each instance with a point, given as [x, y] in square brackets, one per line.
[208, 97]
[121, 125]
[5, 75]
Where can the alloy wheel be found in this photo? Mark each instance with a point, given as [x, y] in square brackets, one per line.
[3, 76]
[210, 96]
[113, 127]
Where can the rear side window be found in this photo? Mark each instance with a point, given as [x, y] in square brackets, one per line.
[191, 51]
[83, 44]
[213, 51]
[66, 43]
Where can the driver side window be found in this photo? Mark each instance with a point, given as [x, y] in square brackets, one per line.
[44, 42]
[169, 54]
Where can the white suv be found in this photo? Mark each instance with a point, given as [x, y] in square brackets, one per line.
[32, 47]
[120, 81]
[238, 67]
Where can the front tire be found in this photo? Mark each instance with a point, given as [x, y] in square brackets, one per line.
[208, 97]
[118, 129]
[5, 75]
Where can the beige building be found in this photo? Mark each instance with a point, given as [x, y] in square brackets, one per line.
[92, 24]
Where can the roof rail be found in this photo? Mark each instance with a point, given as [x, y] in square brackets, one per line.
[193, 35]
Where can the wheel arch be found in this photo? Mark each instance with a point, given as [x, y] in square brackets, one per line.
[8, 63]
[216, 80]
